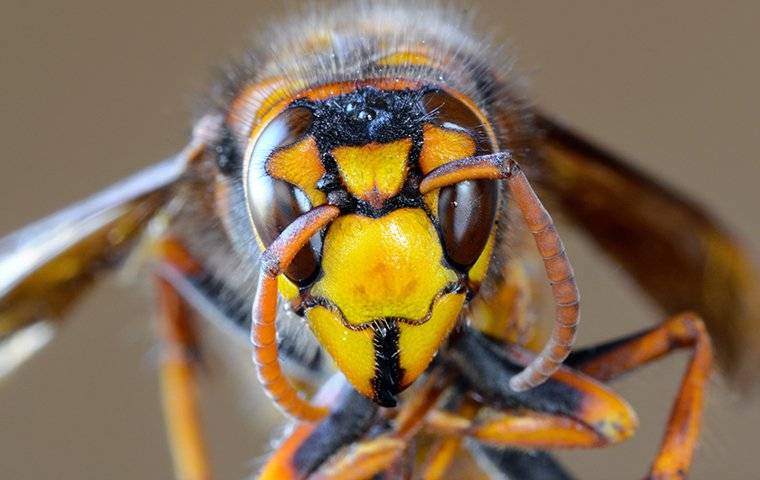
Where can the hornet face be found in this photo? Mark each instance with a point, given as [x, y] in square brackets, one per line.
[384, 284]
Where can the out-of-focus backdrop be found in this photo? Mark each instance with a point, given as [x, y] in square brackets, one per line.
[91, 91]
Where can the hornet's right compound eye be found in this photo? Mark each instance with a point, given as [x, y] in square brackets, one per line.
[467, 210]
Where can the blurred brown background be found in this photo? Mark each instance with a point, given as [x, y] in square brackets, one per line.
[90, 92]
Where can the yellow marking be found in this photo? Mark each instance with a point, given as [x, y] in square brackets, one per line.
[405, 58]
[374, 172]
[288, 289]
[479, 270]
[431, 200]
[382, 267]
[352, 350]
[419, 343]
[441, 146]
[504, 311]
[300, 165]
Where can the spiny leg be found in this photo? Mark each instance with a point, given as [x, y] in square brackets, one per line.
[178, 387]
[311, 444]
[606, 362]
[495, 460]
[374, 455]
[498, 461]
[327, 450]
[570, 410]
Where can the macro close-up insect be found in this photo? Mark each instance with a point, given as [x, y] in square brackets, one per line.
[371, 207]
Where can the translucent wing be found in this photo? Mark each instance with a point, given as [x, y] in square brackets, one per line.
[673, 249]
[46, 266]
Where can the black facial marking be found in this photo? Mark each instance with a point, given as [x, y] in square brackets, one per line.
[367, 115]
[388, 372]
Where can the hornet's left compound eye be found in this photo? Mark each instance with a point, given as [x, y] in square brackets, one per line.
[274, 204]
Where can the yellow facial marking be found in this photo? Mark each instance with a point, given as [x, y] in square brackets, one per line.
[418, 343]
[299, 165]
[382, 267]
[374, 172]
[478, 271]
[442, 146]
[352, 350]
[431, 200]
[287, 288]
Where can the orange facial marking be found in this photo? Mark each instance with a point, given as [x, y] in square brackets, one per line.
[374, 172]
[332, 89]
[299, 165]
[442, 146]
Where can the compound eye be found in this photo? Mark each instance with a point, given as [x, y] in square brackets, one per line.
[450, 113]
[275, 204]
[466, 212]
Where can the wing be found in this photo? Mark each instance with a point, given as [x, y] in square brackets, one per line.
[672, 248]
[46, 266]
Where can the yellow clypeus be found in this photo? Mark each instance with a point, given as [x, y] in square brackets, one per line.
[378, 274]
[390, 266]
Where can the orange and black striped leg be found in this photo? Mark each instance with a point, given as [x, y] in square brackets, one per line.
[178, 386]
[500, 461]
[542, 431]
[509, 462]
[310, 445]
[353, 441]
[571, 410]
[384, 452]
[686, 330]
